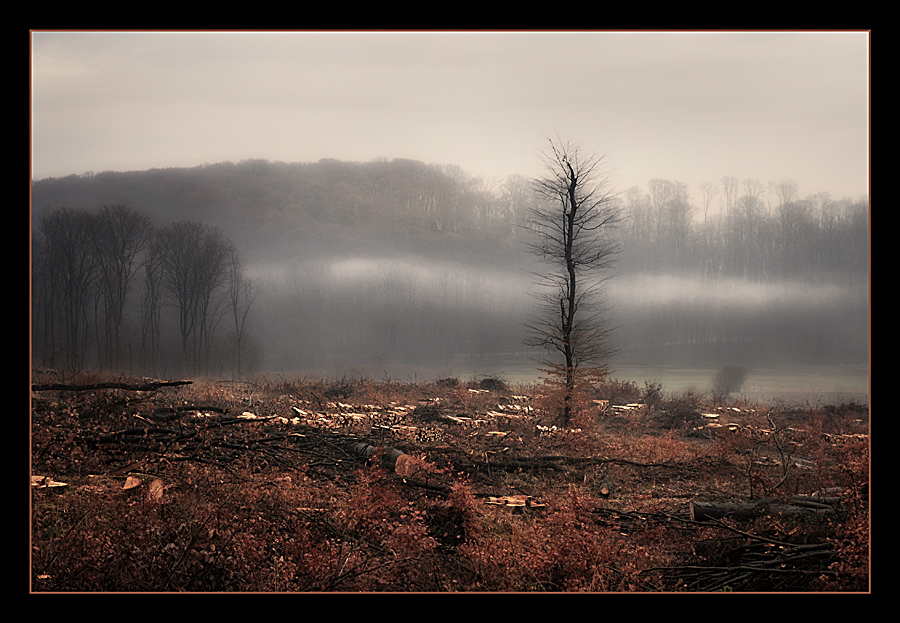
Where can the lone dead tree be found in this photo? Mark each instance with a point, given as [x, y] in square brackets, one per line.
[573, 225]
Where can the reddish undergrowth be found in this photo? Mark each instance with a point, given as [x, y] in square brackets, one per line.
[498, 497]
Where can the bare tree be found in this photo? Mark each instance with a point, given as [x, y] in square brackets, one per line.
[241, 295]
[573, 225]
[515, 197]
[708, 191]
[68, 269]
[43, 312]
[730, 188]
[672, 209]
[193, 267]
[749, 217]
[753, 190]
[118, 236]
[151, 303]
[786, 190]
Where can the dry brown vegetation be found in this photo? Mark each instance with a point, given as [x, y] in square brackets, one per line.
[356, 485]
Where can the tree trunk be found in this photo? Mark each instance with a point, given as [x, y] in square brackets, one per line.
[794, 505]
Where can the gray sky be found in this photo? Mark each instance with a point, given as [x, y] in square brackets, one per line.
[683, 106]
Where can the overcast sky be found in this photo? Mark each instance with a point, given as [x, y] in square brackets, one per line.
[683, 106]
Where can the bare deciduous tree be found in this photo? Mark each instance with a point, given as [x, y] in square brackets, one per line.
[672, 211]
[241, 295]
[193, 268]
[708, 191]
[786, 190]
[574, 231]
[68, 270]
[118, 237]
[151, 303]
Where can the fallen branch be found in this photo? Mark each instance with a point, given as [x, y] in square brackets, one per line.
[555, 462]
[757, 567]
[758, 562]
[147, 387]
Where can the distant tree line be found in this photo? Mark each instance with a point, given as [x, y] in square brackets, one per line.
[740, 228]
[165, 289]
[762, 233]
[107, 286]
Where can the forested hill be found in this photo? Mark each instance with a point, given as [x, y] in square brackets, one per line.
[276, 211]
[360, 264]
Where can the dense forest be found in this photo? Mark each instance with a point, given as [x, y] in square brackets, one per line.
[341, 268]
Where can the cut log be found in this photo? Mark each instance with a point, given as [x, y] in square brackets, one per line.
[43, 482]
[795, 505]
[516, 502]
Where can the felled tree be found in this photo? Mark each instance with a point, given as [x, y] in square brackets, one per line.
[574, 226]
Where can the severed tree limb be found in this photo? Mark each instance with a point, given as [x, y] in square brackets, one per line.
[784, 460]
[147, 387]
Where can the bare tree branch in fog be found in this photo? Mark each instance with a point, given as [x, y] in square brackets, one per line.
[151, 303]
[786, 190]
[241, 296]
[119, 235]
[572, 225]
[730, 188]
[708, 191]
[194, 266]
[65, 274]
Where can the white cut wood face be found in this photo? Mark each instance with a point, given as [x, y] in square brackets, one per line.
[43, 482]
